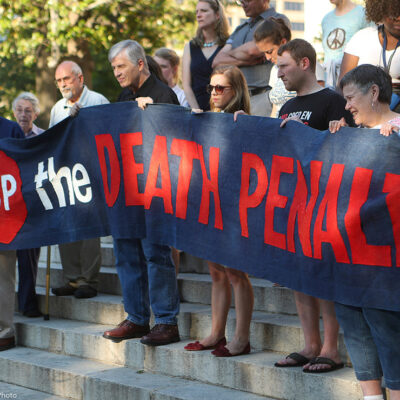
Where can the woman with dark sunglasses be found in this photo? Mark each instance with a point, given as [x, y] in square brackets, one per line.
[229, 94]
[199, 53]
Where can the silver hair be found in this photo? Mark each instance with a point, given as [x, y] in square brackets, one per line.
[75, 68]
[30, 97]
[134, 51]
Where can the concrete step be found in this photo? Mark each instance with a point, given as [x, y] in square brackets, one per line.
[268, 331]
[254, 373]
[77, 378]
[108, 278]
[194, 288]
[107, 254]
[8, 391]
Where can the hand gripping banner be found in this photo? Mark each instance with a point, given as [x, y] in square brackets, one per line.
[314, 211]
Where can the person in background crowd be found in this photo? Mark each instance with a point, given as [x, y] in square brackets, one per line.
[338, 27]
[240, 50]
[314, 106]
[145, 269]
[371, 335]
[200, 52]
[168, 61]
[378, 45]
[155, 69]
[26, 109]
[80, 260]
[268, 37]
[229, 93]
[8, 259]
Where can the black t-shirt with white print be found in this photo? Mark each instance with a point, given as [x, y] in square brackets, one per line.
[317, 109]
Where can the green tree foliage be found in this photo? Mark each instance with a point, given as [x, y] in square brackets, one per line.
[38, 34]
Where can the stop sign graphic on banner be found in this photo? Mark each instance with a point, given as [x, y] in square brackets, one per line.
[13, 210]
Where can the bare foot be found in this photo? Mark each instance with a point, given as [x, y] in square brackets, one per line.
[210, 341]
[236, 346]
[296, 359]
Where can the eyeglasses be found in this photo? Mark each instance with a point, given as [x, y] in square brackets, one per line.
[242, 2]
[218, 88]
[66, 79]
[27, 111]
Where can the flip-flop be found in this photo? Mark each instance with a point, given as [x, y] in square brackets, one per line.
[299, 358]
[323, 360]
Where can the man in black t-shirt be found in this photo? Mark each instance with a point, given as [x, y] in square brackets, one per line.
[145, 269]
[315, 107]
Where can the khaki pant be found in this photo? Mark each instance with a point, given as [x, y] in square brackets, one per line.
[8, 260]
[81, 262]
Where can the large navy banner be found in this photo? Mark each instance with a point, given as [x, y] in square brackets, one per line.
[316, 212]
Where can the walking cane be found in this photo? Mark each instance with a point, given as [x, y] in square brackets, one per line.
[46, 316]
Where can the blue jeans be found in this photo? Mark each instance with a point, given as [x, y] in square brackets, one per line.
[372, 339]
[147, 276]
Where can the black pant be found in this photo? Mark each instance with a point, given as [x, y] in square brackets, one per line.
[27, 271]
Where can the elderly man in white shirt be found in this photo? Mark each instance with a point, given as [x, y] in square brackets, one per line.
[80, 260]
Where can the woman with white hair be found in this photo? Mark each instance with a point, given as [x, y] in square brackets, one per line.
[26, 109]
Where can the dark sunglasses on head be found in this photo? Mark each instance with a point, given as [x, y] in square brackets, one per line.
[218, 88]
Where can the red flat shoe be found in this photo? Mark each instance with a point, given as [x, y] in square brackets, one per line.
[224, 352]
[197, 346]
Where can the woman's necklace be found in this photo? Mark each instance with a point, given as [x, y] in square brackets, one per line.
[209, 44]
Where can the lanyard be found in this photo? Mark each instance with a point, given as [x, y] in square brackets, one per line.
[387, 66]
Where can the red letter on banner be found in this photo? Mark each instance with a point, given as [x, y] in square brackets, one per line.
[392, 187]
[301, 209]
[131, 168]
[210, 185]
[159, 161]
[361, 251]
[329, 205]
[274, 199]
[246, 201]
[187, 150]
[111, 189]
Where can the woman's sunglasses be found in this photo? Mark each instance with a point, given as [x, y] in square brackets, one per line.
[218, 88]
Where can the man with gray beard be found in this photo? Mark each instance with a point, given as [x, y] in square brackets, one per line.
[70, 82]
[80, 260]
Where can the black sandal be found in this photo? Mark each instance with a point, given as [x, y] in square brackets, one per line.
[299, 358]
[323, 360]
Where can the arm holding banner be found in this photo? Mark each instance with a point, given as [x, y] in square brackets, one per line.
[334, 126]
[292, 118]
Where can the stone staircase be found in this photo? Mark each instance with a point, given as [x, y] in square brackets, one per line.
[67, 357]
